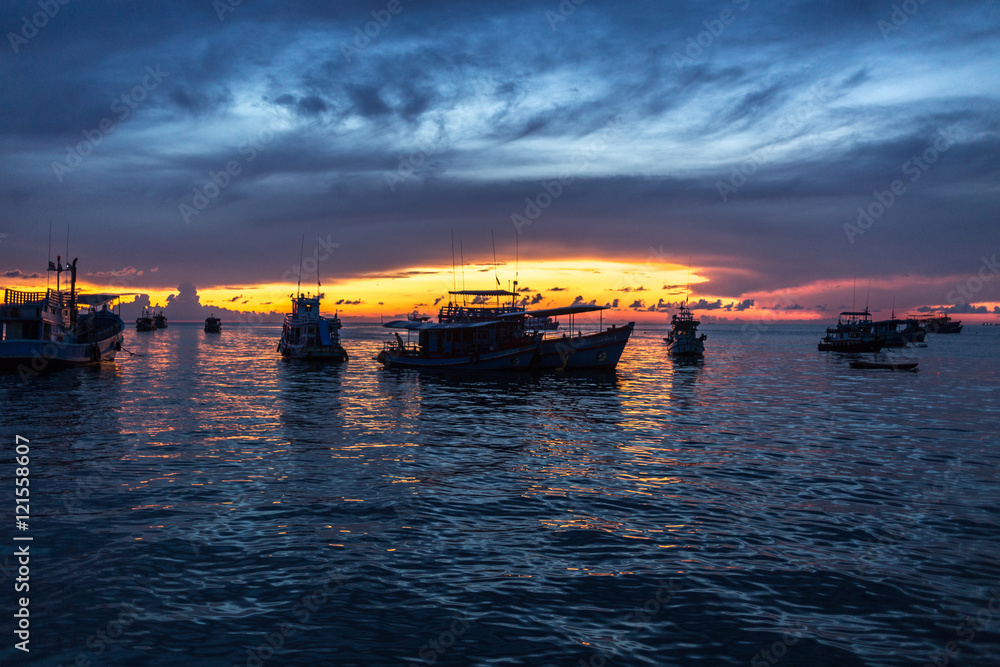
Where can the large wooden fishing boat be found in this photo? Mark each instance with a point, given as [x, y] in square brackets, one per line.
[570, 350]
[49, 330]
[488, 345]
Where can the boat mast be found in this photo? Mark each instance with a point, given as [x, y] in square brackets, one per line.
[495, 277]
[454, 274]
[517, 258]
[72, 293]
[298, 288]
[49, 258]
[461, 249]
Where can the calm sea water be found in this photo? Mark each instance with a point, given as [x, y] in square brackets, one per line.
[210, 504]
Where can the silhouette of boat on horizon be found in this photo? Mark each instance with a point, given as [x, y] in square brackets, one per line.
[683, 339]
[854, 332]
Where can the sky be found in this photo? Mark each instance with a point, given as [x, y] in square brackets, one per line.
[763, 160]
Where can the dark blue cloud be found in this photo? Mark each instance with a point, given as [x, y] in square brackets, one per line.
[753, 153]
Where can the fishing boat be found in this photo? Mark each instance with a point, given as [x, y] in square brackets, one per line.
[305, 334]
[914, 332]
[886, 365]
[145, 322]
[942, 324]
[683, 339]
[49, 330]
[213, 324]
[487, 345]
[598, 349]
[418, 317]
[854, 332]
[889, 330]
[160, 320]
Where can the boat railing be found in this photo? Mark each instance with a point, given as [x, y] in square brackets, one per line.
[17, 298]
[400, 348]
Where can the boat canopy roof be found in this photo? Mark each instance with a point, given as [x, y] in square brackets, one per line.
[556, 312]
[95, 299]
[424, 326]
[862, 313]
[480, 292]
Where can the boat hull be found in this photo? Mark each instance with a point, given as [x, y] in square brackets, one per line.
[34, 356]
[317, 352]
[685, 347]
[510, 359]
[598, 350]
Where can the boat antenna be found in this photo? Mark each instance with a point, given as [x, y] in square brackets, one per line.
[302, 247]
[854, 294]
[869, 294]
[461, 249]
[495, 276]
[494, 239]
[454, 274]
[687, 288]
[517, 253]
[49, 258]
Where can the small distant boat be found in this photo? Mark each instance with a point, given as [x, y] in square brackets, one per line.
[213, 324]
[47, 330]
[539, 323]
[942, 324]
[417, 317]
[305, 334]
[160, 320]
[683, 339]
[855, 332]
[145, 322]
[886, 365]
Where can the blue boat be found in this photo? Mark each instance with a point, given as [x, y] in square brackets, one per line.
[51, 330]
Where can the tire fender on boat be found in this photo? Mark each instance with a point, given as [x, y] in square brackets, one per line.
[95, 352]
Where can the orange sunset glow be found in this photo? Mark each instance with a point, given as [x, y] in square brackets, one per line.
[642, 291]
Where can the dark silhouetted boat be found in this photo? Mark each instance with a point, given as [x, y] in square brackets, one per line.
[213, 324]
[305, 334]
[487, 345]
[145, 322]
[683, 339]
[47, 330]
[160, 320]
[854, 332]
[573, 350]
[942, 324]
